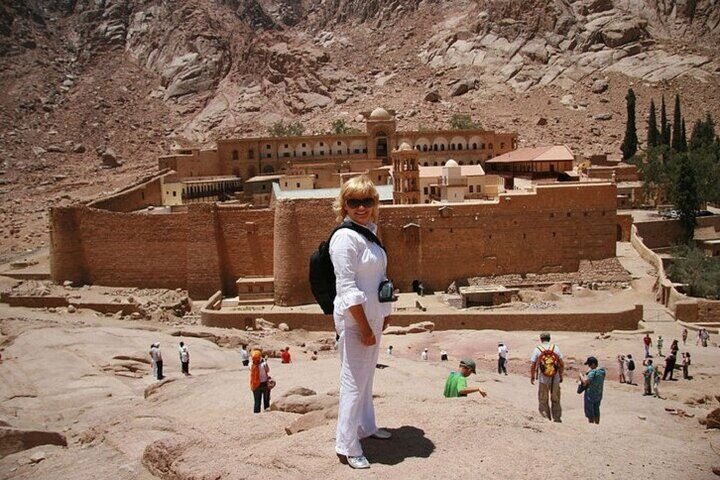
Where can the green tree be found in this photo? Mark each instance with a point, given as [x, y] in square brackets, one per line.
[683, 137]
[701, 274]
[630, 142]
[461, 121]
[676, 143]
[289, 129]
[686, 197]
[653, 135]
[664, 125]
[703, 134]
[340, 127]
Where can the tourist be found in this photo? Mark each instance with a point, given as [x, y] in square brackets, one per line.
[152, 360]
[629, 368]
[443, 356]
[456, 383]
[421, 289]
[593, 386]
[424, 355]
[502, 358]
[285, 355]
[656, 382]
[547, 366]
[669, 367]
[704, 337]
[259, 376]
[699, 337]
[244, 355]
[621, 368]
[389, 350]
[156, 356]
[184, 358]
[684, 335]
[360, 318]
[659, 344]
[647, 342]
[648, 376]
[674, 348]
[686, 365]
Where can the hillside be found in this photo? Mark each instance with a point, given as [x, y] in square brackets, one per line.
[80, 76]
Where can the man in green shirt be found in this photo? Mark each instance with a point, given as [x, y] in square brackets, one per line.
[456, 383]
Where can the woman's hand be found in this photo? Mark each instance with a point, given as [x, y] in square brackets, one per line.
[367, 338]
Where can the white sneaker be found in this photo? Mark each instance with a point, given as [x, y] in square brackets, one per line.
[358, 462]
[381, 434]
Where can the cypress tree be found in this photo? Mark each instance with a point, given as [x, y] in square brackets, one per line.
[683, 137]
[653, 135]
[677, 126]
[703, 133]
[687, 198]
[629, 144]
[664, 126]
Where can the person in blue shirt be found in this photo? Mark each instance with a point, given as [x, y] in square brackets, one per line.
[593, 382]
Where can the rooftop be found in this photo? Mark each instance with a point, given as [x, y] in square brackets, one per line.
[385, 192]
[552, 153]
[465, 171]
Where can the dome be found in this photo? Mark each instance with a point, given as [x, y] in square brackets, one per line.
[404, 147]
[380, 114]
[451, 163]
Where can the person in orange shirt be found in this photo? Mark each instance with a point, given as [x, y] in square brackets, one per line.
[285, 355]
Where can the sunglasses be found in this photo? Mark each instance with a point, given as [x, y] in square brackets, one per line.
[356, 202]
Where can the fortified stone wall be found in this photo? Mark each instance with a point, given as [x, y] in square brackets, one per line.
[549, 231]
[143, 194]
[202, 250]
[666, 233]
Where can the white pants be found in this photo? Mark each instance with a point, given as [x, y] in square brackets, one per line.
[356, 414]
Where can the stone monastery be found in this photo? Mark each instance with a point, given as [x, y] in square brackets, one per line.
[242, 219]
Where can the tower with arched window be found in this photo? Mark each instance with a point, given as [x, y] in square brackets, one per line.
[406, 175]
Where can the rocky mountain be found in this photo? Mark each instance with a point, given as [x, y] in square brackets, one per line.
[80, 77]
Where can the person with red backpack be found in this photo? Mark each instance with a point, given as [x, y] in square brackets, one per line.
[546, 365]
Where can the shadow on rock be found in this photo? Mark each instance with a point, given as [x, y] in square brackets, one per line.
[406, 442]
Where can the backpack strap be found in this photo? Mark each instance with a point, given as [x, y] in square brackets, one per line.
[365, 232]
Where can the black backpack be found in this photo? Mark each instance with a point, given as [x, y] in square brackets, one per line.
[631, 365]
[322, 272]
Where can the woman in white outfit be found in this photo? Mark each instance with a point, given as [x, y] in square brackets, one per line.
[360, 266]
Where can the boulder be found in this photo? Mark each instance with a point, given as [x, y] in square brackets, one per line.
[110, 159]
[55, 149]
[37, 457]
[284, 327]
[603, 116]
[713, 419]
[432, 96]
[78, 148]
[301, 391]
[421, 327]
[599, 86]
[462, 88]
[304, 404]
[541, 122]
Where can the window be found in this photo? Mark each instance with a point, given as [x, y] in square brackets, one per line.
[304, 154]
[251, 153]
[459, 146]
[303, 145]
[174, 194]
[268, 147]
[235, 155]
[425, 190]
[339, 143]
[364, 150]
[297, 185]
[474, 146]
[357, 150]
[322, 152]
[269, 155]
[490, 146]
[339, 152]
[471, 189]
[502, 145]
[322, 144]
[286, 154]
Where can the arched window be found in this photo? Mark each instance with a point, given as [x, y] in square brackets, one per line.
[474, 146]
[459, 146]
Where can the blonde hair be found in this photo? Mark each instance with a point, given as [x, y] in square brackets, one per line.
[357, 187]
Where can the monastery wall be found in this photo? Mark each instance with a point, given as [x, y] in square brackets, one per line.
[666, 233]
[202, 250]
[547, 231]
[141, 195]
